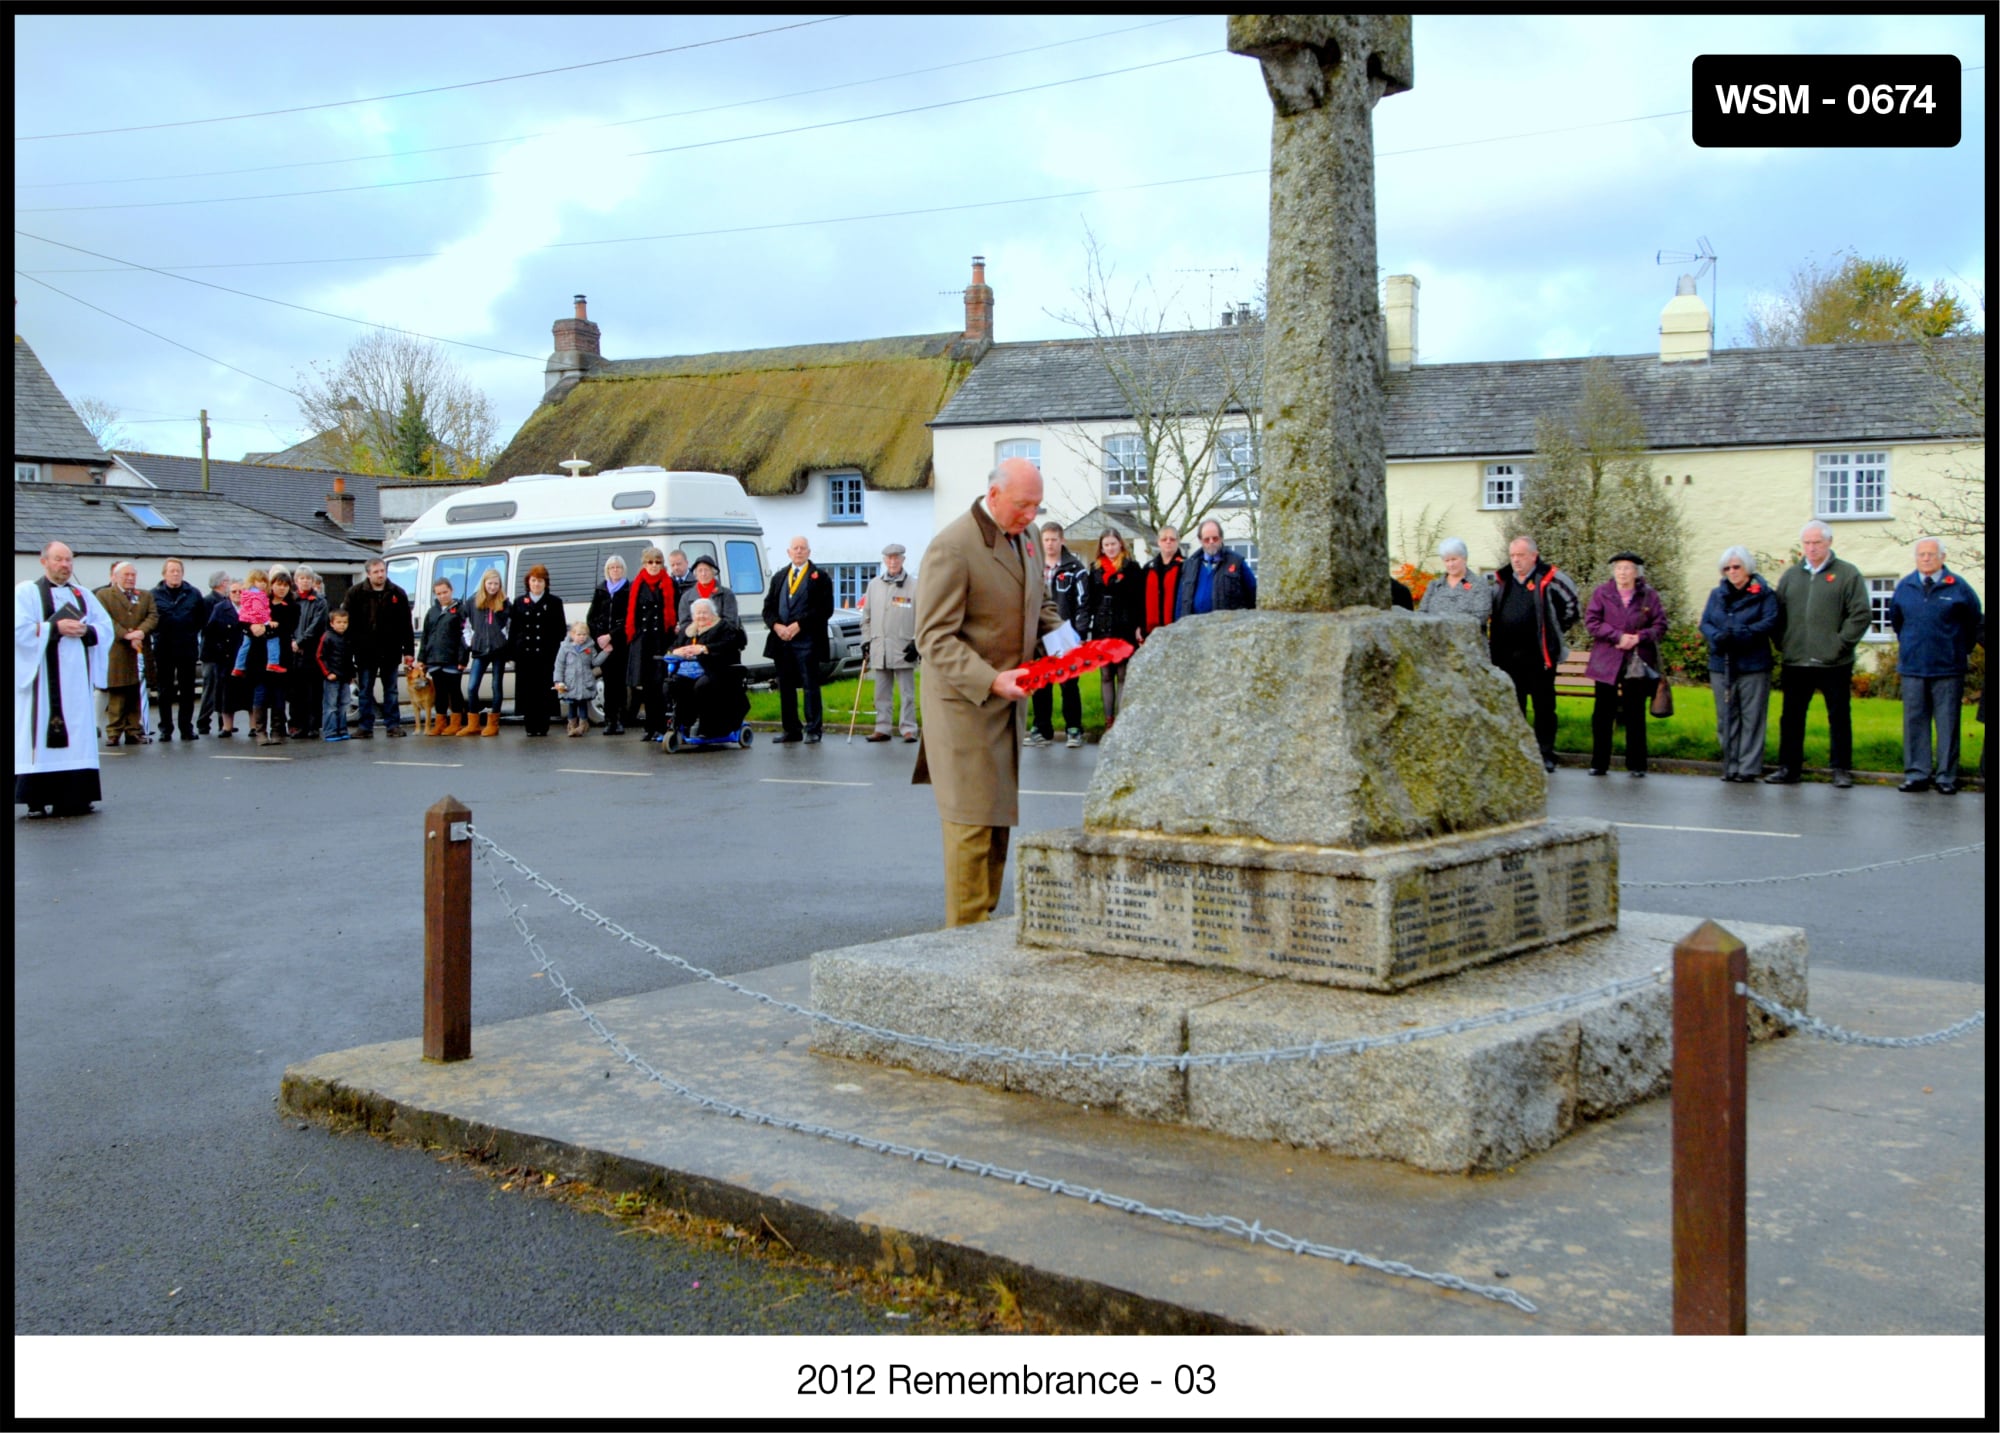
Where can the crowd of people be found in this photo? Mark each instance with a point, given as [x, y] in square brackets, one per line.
[665, 647]
[1811, 620]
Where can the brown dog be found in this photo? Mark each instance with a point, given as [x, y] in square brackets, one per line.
[423, 695]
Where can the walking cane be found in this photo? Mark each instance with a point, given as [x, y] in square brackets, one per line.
[145, 709]
[856, 717]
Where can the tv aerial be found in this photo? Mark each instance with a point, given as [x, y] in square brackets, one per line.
[1704, 258]
[1210, 273]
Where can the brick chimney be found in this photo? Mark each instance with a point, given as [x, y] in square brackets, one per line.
[576, 351]
[1399, 320]
[1686, 335]
[340, 505]
[978, 306]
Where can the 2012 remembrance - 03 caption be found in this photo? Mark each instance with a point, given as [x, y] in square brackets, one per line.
[859, 1379]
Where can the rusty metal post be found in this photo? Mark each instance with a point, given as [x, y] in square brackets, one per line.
[447, 932]
[1710, 1041]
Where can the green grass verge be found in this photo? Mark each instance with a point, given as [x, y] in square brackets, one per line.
[1688, 734]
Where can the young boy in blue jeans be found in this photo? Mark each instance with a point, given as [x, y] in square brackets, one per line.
[336, 663]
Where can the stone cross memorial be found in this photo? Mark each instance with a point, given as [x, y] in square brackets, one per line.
[1321, 818]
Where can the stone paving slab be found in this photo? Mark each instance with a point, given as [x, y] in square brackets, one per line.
[1867, 1177]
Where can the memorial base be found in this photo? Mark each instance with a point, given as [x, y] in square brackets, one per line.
[1378, 919]
[1478, 1100]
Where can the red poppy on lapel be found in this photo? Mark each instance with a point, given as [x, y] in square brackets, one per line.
[1829, 577]
[1949, 579]
[1754, 589]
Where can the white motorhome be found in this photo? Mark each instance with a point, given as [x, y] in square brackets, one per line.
[571, 525]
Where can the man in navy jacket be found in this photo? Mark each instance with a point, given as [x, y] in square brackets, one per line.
[1935, 615]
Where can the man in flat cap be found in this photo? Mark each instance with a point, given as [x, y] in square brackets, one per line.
[889, 642]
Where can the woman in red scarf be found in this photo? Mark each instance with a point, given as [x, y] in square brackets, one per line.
[1112, 605]
[707, 583]
[649, 631]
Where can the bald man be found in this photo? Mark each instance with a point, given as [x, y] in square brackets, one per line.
[796, 610]
[981, 607]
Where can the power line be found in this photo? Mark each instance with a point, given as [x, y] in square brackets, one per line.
[281, 303]
[636, 154]
[619, 123]
[160, 336]
[435, 89]
[888, 214]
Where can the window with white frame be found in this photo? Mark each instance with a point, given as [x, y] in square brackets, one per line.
[1503, 486]
[1851, 485]
[1029, 448]
[1124, 468]
[850, 581]
[27, 472]
[1235, 466]
[1880, 590]
[1246, 548]
[843, 497]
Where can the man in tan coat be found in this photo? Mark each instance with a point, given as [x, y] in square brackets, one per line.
[980, 612]
[133, 619]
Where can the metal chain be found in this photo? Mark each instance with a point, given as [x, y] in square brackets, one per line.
[1252, 1230]
[1813, 1025]
[1803, 876]
[1102, 1060]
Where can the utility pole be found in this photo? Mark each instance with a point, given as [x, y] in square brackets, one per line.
[204, 450]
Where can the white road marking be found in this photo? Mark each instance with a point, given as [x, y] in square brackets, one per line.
[420, 763]
[802, 781]
[1026, 792]
[1710, 830]
[597, 771]
[219, 757]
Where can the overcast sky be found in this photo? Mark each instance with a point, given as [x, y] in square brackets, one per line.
[1536, 246]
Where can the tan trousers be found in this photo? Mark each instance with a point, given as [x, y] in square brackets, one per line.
[974, 859]
[121, 710]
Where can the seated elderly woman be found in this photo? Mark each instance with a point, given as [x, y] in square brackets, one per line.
[715, 701]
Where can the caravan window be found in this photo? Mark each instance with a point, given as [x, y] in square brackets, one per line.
[403, 572]
[573, 569]
[696, 547]
[746, 573]
[465, 571]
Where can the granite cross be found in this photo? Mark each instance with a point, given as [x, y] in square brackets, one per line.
[1324, 527]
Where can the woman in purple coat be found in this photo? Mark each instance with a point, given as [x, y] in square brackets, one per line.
[1625, 619]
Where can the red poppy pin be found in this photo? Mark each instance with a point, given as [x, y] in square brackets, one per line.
[1230, 568]
[1754, 588]
[1949, 579]
[1829, 577]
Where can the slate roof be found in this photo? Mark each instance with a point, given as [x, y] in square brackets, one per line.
[46, 428]
[88, 518]
[294, 494]
[1067, 380]
[1742, 397]
[769, 416]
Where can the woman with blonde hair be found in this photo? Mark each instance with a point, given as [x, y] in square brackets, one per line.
[486, 633]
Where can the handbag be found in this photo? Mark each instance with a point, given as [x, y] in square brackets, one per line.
[1663, 699]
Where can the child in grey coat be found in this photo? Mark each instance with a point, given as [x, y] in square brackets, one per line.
[576, 675]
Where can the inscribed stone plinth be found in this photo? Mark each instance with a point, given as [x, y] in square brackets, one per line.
[1477, 1100]
[1371, 920]
[1351, 729]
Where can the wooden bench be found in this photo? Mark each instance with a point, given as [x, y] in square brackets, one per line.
[1570, 680]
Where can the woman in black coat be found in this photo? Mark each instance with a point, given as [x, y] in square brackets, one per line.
[713, 704]
[272, 686]
[536, 629]
[1113, 604]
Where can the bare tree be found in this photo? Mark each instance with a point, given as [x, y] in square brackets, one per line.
[1191, 397]
[102, 417]
[1590, 491]
[1955, 510]
[387, 386]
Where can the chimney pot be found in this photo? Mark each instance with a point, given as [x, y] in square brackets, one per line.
[580, 308]
[1228, 317]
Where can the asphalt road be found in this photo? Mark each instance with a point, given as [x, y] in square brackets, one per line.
[224, 917]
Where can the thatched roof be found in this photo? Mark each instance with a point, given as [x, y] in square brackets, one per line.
[768, 416]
